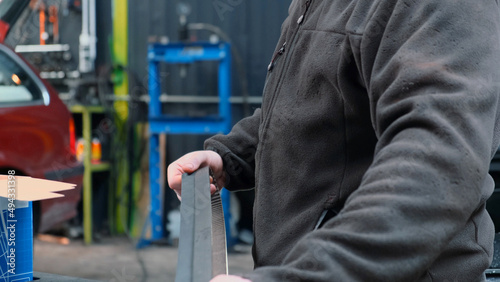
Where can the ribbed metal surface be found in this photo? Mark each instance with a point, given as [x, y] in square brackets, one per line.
[253, 27]
[219, 251]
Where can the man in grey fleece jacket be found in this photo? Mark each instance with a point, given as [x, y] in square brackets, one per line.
[385, 113]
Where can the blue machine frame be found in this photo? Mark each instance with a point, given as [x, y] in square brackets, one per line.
[179, 53]
[159, 123]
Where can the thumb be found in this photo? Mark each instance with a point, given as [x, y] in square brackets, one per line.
[192, 161]
[190, 167]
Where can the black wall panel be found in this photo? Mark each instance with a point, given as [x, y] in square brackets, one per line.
[253, 27]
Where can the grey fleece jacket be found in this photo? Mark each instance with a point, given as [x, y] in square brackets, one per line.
[388, 112]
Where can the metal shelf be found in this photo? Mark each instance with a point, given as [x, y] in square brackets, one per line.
[98, 167]
[87, 112]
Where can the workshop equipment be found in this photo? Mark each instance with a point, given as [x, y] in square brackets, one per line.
[160, 123]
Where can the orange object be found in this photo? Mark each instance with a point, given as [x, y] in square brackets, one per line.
[54, 20]
[80, 147]
[72, 137]
[96, 150]
[42, 26]
[53, 239]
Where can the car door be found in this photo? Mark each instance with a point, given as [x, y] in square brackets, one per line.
[33, 129]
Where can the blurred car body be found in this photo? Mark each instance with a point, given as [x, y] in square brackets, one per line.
[37, 135]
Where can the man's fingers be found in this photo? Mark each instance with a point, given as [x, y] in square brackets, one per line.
[212, 188]
[229, 278]
[190, 167]
[189, 163]
[193, 161]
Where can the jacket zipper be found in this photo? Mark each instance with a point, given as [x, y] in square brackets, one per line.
[278, 54]
[302, 17]
[282, 49]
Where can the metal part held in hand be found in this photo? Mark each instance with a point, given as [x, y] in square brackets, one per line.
[202, 241]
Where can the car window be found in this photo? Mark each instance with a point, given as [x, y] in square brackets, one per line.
[17, 87]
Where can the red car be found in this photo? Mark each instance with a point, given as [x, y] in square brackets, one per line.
[37, 135]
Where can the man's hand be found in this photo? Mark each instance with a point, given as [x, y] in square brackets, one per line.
[189, 163]
[229, 278]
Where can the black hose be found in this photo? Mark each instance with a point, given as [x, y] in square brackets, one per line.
[237, 59]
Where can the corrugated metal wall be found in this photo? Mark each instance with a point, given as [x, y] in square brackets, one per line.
[253, 27]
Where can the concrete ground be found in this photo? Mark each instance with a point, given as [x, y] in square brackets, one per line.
[117, 260]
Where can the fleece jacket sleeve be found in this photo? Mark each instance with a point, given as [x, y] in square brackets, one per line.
[237, 150]
[431, 69]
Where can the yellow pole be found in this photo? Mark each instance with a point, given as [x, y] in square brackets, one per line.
[120, 54]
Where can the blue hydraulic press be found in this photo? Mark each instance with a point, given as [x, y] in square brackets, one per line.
[159, 123]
